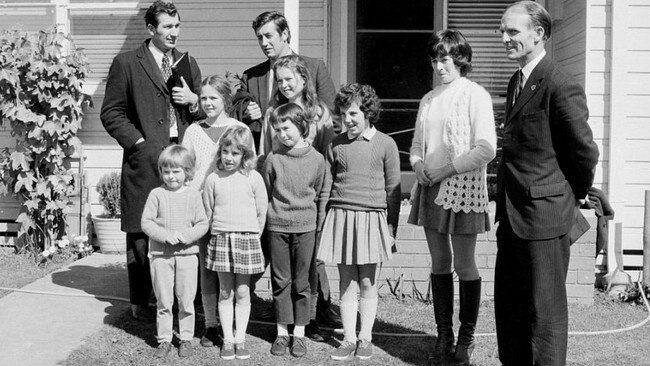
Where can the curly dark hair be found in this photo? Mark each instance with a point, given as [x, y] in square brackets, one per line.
[160, 7]
[364, 95]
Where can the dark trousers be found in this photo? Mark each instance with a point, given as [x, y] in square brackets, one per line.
[137, 264]
[320, 288]
[291, 258]
[530, 299]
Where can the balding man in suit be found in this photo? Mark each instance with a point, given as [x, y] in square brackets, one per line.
[548, 165]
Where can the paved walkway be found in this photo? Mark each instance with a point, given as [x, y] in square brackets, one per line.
[38, 329]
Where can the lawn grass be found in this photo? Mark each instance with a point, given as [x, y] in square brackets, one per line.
[125, 342]
[18, 270]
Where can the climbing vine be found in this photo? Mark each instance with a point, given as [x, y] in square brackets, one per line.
[41, 76]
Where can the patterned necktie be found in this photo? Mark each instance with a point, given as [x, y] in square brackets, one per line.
[167, 73]
[519, 85]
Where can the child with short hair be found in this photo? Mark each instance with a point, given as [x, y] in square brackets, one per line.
[235, 200]
[363, 212]
[294, 175]
[174, 219]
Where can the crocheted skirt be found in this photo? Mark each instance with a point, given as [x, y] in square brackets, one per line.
[236, 253]
[355, 237]
[425, 212]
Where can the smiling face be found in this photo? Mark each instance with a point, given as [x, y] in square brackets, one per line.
[354, 120]
[211, 102]
[290, 84]
[288, 133]
[273, 43]
[522, 40]
[165, 34]
[446, 69]
[174, 178]
[231, 158]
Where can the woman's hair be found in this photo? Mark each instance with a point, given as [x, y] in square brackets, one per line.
[364, 95]
[177, 156]
[539, 17]
[293, 113]
[310, 100]
[452, 43]
[240, 138]
[223, 86]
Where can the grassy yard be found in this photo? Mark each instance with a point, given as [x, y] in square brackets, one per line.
[18, 270]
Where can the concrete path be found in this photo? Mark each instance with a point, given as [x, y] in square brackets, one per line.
[38, 329]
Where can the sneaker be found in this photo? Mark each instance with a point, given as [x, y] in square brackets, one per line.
[241, 352]
[345, 350]
[299, 347]
[279, 347]
[227, 351]
[185, 349]
[210, 337]
[164, 350]
[364, 349]
[313, 332]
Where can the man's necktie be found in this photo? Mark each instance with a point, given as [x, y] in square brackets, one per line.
[519, 85]
[167, 73]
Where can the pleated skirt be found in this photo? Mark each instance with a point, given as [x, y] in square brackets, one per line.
[425, 212]
[355, 237]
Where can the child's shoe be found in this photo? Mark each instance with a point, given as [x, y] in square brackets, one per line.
[279, 347]
[364, 349]
[185, 349]
[227, 351]
[164, 350]
[241, 352]
[345, 350]
[299, 346]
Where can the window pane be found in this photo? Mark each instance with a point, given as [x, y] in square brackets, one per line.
[396, 65]
[391, 14]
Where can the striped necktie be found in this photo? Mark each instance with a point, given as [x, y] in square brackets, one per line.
[167, 73]
[519, 85]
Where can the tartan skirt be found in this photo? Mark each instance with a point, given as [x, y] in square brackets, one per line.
[234, 252]
[355, 237]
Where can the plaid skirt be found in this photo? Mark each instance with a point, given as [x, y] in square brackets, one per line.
[235, 253]
[355, 237]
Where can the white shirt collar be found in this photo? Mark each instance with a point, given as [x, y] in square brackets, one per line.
[529, 67]
[158, 55]
[368, 134]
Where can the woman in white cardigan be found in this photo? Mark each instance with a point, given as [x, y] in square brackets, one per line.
[454, 140]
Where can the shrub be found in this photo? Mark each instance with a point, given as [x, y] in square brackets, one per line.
[41, 76]
[108, 188]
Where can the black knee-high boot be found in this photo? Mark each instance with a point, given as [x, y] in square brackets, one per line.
[470, 300]
[443, 306]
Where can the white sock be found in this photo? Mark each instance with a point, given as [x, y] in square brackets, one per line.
[226, 313]
[282, 330]
[367, 312]
[210, 310]
[299, 331]
[349, 306]
[242, 312]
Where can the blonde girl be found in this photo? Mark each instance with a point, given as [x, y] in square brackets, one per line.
[235, 201]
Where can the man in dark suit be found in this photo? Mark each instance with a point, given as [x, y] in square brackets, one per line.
[273, 35]
[548, 165]
[144, 116]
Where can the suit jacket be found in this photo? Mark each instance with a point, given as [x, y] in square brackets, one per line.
[549, 154]
[256, 80]
[136, 105]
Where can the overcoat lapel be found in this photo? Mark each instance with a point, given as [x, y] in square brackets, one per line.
[533, 85]
[150, 67]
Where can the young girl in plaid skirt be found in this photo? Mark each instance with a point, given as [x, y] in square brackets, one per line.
[235, 201]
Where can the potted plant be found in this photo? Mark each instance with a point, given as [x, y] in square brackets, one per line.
[110, 237]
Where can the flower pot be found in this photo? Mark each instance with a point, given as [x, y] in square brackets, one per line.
[110, 238]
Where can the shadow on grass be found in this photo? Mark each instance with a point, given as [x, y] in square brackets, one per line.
[108, 283]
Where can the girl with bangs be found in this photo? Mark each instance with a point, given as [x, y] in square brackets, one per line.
[454, 139]
[235, 201]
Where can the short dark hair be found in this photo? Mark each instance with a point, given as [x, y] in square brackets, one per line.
[277, 18]
[539, 17]
[158, 7]
[293, 113]
[364, 95]
[448, 42]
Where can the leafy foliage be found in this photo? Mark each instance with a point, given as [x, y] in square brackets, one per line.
[108, 188]
[41, 76]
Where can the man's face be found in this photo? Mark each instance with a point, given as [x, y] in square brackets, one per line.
[272, 43]
[164, 36]
[522, 40]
